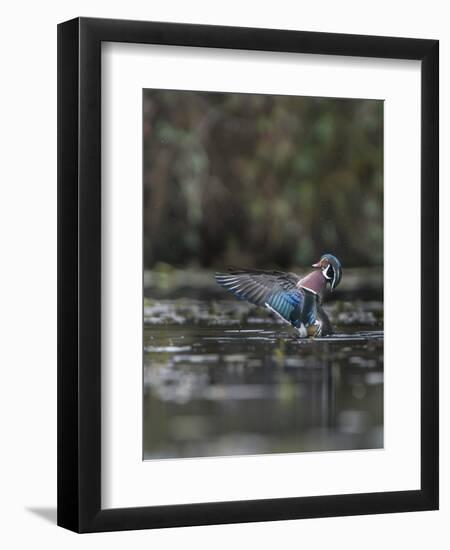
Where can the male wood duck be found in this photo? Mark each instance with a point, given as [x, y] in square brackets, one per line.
[297, 301]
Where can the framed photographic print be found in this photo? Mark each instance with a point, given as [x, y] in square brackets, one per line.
[248, 277]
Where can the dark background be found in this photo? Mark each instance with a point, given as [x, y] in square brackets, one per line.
[260, 180]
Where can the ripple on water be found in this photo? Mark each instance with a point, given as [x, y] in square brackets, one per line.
[197, 359]
[166, 349]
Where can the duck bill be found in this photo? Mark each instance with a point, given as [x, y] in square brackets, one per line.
[316, 265]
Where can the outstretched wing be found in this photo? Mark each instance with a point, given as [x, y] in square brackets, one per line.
[274, 289]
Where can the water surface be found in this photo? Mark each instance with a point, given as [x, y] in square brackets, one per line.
[225, 378]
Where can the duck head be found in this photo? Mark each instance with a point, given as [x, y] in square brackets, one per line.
[331, 269]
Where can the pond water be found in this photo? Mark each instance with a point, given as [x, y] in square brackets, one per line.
[223, 378]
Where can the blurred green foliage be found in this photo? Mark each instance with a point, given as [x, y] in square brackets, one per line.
[261, 180]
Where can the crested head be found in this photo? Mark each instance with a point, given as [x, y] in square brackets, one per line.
[331, 269]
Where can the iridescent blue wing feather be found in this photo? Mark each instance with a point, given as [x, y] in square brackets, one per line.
[274, 289]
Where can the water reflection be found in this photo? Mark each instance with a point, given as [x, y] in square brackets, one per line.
[228, 382]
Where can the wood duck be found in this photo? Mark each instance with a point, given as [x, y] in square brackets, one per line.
[296, 300]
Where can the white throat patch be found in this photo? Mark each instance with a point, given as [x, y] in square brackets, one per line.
[325, 273]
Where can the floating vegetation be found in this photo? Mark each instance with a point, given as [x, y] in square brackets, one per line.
[225, 313]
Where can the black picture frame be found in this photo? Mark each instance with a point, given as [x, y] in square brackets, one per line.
[79, 274]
